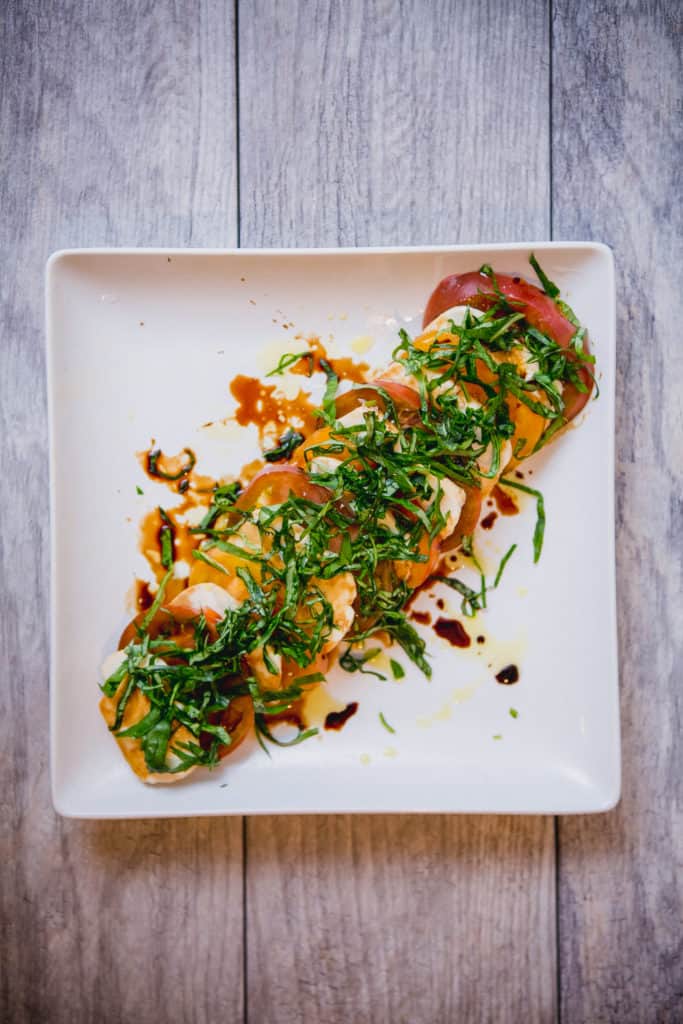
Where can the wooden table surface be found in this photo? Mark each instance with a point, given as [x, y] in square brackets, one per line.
[293, 123]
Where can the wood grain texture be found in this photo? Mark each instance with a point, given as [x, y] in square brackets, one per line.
[618, 152]
[400, 918]
[117, 126]
[392, 123]
[372, 123]
[361, 123]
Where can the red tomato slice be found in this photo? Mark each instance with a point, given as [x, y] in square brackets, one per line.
[476, 289]
[238, 722]
[163, 624]
[281, 481]
[418, 572]
[402, 396]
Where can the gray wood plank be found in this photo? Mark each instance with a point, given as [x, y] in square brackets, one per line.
[374, 123]
[117, 126]
[618, 152]
[400, 918]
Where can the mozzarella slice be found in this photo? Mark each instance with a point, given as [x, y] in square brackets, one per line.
[355, 418]
[450, 504]
[340, 591]
[204, 597]
[111, 663]
[457, 314]
[323, 464]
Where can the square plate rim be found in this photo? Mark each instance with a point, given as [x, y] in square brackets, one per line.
[59, 256]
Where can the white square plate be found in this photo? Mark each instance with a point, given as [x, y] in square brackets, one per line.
[143, 344]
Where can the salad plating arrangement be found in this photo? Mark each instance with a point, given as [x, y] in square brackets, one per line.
[264, 581]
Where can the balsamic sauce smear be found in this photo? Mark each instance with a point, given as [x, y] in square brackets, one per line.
[338, 719]
[453, 631]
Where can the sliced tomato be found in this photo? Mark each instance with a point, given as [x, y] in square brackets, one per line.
[238, 722]
[163, 624]
[415, 573]
[477, 290]
[279, 482]
[405, 399]
[222, 569]
[403, 396]
[318, 438]
[529, 427]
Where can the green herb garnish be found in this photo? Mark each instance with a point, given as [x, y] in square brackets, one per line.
[503, 562]
[154, 470]
[397, 669]
[549, 287]
[356, 663]
[330, 389]
[302, 734]
[166, 539]
[287, 360]
[155, 744]
[156, 603]
[539, 529]
[286, 446]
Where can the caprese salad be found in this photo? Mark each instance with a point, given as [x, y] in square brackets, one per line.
[301, 565]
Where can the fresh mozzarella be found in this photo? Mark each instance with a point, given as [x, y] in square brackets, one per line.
[204, 597]
[456, 314]
[450, 503]
[355, 418]
[193, 516]
[111, 663]
[330, 463]
[340, 591]
[323, 464]
[397, 373]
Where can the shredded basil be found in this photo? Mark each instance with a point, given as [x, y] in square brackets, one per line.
[166, 539]
[386, 725]
[539, 529]
[142, 727]
[397, 669]
[264, 730]
[155, 744]
[156, 603]
[286, 446]
[330, 390]
[503, 562]
[287, 360]
[549, 287]
[202, 556]
[356, 663]
[154, 470]
[122, 704]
